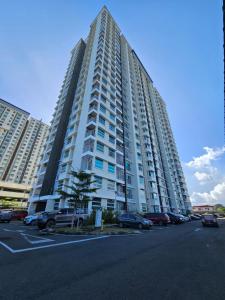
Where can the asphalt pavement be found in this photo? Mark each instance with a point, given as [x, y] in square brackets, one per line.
[175, 262]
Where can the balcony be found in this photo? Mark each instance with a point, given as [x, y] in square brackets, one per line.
[93, 106]
[92, 117]
[90, 132]
[119, 147]
[86, 163]
[88, 145]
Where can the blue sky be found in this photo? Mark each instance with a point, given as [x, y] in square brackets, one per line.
[179, 42]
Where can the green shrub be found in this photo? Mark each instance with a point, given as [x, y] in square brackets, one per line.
[91, 218]
[108, 216]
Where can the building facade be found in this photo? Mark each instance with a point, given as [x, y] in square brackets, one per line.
[21, 143]
[111, 121]
[203, 208]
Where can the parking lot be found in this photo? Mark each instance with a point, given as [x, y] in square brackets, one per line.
[17, 238]
[175, 262]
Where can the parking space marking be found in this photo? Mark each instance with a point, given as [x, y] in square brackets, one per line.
[13, 251]
[38, 241]
[197, 229]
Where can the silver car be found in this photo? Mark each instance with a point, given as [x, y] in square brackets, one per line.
[63, 217]
[31, 219]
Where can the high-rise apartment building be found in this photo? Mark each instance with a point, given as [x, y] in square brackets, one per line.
[21, 143]
[111, 121]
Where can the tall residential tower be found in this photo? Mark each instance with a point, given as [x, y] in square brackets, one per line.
[21, 143]
[111, 121]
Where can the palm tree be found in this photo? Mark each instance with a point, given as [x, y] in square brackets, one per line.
[80, 189]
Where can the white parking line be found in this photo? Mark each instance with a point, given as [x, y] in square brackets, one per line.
[13, 251]
[38, 241]
[197, 229]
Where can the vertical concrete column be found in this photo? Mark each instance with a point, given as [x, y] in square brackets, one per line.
[50, 205]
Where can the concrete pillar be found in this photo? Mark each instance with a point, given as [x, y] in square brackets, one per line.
[62, 203]
[50, 205]
[104, 203]
[32, 208]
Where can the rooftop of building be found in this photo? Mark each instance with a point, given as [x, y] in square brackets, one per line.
[14, 106]
[206, 205]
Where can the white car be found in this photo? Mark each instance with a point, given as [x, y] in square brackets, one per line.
[31, 219]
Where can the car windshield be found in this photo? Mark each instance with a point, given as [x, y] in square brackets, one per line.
[209, 217]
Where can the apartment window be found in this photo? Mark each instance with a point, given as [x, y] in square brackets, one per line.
[98, 181]
[102, 108]
[112, 117]
[66, 154]
[110, 185]
[112, 106]
[96, 203]
[104, 81]
[101, 132]
[111, 168]
[140, 168]
[110, 204]
[101, 120]
[98, 163]
[103, 98]
[112, 152]
[111, 127]
[139, 156]
[129, 194]
[129, 179]
[141, 179]
[111, 139]
[100, 147]
[63, 168]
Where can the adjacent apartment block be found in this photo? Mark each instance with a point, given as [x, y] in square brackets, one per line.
[110, 120]
[21, 143]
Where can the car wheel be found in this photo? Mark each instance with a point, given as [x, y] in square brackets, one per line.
[140, 226]
[121, 225]
[50, 224]
[160, 223]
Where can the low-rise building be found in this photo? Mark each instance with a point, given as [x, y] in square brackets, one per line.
[203, 208]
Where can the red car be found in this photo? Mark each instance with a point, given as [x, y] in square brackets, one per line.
[158, 218]
[19, 214]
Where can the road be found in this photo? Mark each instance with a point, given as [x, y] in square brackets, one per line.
[175, 262]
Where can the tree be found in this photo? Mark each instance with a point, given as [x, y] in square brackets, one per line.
[80, 189]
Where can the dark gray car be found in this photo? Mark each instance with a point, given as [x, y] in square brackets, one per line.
[5, 215]
[62, 217]
[134, 220]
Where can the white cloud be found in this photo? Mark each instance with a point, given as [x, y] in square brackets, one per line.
[202, 177]
[216, 195]
[206, 159]
[208, 186]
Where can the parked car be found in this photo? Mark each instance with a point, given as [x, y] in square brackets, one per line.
[19, 214]
[158, 218]
[185, 218]
[194, 217]
[197, 215]
[134, 220]
[31, 219]
[62, 217]
[210, 220]
[175, 218]
[5, 215]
